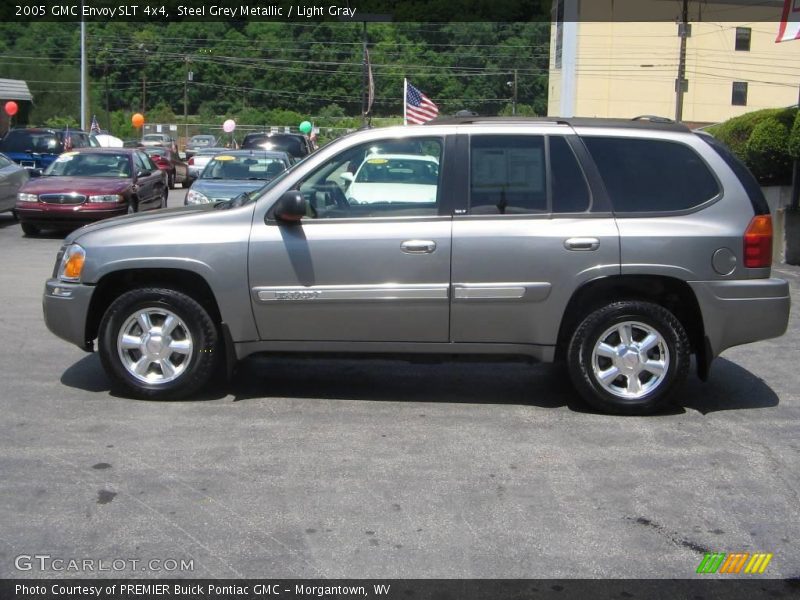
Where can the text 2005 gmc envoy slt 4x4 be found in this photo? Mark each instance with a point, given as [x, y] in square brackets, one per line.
[620, 247]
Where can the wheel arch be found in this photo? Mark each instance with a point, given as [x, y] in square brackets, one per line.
[673, 294]
[111, 285]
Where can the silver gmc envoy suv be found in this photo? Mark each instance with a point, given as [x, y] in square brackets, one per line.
[618, 247]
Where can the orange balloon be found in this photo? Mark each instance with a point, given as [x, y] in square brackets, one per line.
[137, 120]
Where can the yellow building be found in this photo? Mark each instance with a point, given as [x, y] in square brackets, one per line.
[602, 64]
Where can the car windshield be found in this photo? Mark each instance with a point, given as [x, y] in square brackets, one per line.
[91, 165]
[201, 141]
[153, 137]
[156, 152]
[396, 170]
[290, 144]
[228, 166]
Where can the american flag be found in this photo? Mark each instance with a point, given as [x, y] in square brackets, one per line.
[95, 127]
[790, 22]
[419, 107]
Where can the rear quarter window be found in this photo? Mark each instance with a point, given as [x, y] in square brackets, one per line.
[652, 176]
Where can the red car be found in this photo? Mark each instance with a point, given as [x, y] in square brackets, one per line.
[88, 185]
[168, 161]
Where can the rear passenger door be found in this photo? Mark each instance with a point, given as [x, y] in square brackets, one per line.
[148, 187]
[530, 231]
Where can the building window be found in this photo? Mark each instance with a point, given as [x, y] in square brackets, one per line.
[743, 39]
[739, 95]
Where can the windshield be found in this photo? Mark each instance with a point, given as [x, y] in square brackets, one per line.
[91, 165]
[202, 141]
[228, 166]
[394, 170]
[153, 137]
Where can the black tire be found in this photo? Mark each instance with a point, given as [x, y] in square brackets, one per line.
[14, 215]
[202, 362]
[171, 181]
[595, 327]
[164, 198]
[29, 230]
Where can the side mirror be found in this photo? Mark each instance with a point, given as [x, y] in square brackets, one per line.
[291, 207]
[347, 177]
[35, 172]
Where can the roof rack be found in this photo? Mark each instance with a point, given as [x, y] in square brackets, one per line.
[640, 122]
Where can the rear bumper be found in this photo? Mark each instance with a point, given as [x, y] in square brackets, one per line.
[739, 312]
[66, 306]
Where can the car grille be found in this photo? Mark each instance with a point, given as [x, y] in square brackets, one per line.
[62, 198]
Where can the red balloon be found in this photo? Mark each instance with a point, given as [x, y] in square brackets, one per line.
[11, 108]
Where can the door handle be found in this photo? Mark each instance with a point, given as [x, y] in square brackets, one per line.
[418, 246]
[582, 243]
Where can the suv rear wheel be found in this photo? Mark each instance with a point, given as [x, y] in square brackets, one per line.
[158, 343]
[628, 357]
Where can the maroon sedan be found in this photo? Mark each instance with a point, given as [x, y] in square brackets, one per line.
[168, 161]
[88, 185]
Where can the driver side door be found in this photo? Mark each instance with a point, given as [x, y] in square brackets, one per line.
[350, 272]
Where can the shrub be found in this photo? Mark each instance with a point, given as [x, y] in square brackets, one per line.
[767, 152]
[794, 138]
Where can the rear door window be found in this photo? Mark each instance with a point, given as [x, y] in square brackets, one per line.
[28, 141]
[509, 175]
[646, 176]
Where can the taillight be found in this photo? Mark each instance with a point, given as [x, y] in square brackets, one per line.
[758, 242]
[191, 161]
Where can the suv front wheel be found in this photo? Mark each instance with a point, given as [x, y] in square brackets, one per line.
[627, 357]
[158, 343]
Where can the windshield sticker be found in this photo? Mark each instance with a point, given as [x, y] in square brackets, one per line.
[224, 157]
[377, 161]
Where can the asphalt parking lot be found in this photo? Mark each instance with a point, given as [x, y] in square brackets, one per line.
[341, 468]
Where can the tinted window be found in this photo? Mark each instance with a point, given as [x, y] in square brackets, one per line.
[293, 145]
[651, 175]
[739, 93]
[360, 183]
[507, 174]
[743, 39]
[570, 190]
[746, 178]
[27, 141]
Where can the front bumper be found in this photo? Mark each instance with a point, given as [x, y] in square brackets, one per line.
[66, 307]
[40, 213]
[743, 311]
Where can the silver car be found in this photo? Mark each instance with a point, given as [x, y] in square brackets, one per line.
[12, 177]
[618, 247]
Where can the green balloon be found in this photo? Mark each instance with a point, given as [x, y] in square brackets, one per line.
[305, 127]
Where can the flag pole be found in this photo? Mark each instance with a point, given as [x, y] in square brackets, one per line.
[405, 98]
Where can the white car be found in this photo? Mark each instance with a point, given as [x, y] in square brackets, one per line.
[393, 178]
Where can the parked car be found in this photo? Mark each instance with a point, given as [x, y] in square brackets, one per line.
[234, 172]
[393, 178]
[37, 148]
[12, 177]
[90, 184]
[168, 161]
[199, 142]
[160, 139]
[618, 247]
[200, 159]
[296, 145]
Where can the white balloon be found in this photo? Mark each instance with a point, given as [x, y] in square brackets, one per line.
[228, 126]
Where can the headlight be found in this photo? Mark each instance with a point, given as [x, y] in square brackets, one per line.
[27, 197]
[194, 197]
[72, 263]
[106, 198]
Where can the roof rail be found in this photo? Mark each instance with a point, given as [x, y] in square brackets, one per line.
[653, 119]
[471, 120]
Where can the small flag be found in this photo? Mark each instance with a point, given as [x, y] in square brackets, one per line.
[370, 84]
[67, 141]
[95, 127]
[790, 22]
[418, 107]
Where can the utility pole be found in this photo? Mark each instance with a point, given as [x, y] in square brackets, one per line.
[681, 84]
[513, 86]
[186, 103]
[83, 72]
[794, 203]
[364, 82]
